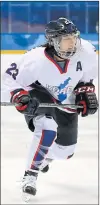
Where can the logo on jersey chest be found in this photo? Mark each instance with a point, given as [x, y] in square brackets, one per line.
[61, 91]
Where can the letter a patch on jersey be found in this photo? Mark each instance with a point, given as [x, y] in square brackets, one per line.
[79, 66]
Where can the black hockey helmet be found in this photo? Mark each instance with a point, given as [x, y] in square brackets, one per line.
[54, 30]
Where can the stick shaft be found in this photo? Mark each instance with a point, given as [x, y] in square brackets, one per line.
[45, 105]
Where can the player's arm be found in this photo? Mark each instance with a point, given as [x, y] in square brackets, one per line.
[85, 90]
[86, 97]
[16, 80]
[23, 101]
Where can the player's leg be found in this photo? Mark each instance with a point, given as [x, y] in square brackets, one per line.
[67, 132]
[58, 151]
[65, 143]
[44, 135]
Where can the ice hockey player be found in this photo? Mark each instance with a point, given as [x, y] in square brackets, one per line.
[62, 72]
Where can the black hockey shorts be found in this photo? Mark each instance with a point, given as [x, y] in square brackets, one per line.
[67, 131]
[67, 125]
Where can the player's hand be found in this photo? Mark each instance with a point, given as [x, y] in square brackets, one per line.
[85, 96]
[24, 103]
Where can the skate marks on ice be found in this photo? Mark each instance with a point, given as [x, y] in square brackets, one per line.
[74, 181]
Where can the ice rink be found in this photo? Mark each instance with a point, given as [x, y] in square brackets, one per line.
[74, 181]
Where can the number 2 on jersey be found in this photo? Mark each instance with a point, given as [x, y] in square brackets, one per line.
[13, 71]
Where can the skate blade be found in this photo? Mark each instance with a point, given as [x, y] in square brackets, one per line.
[27, 197]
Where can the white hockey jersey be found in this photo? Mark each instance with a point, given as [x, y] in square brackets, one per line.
[37, 65]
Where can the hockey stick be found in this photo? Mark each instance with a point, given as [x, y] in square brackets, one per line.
[46, 105]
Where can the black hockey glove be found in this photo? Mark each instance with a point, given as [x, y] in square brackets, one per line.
[85, 95]
[24, 102]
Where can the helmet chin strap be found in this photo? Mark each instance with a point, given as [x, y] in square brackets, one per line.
[56, 54]
[53, 52]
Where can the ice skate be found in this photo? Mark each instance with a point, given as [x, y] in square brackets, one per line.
[45, 169]
[29, 183]
[45, 166]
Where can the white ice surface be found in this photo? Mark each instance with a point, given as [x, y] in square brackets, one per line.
[74, 181]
